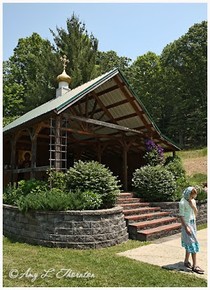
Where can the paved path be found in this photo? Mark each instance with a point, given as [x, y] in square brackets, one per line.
[169, 254]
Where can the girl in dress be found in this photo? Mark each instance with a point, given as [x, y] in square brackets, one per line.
[187, 213]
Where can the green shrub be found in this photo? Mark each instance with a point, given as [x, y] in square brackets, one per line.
[95, 177]
[154, 183]
[202, 194]
[86, 186]
[85, 200]
[57, 200]
[10, 194]
[175, 166]
[24, 187]
[57, 179]
[53, 199]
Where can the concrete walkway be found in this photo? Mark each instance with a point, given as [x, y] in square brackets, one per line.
[168, 253]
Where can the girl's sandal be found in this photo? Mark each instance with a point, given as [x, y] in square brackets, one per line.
[198, 270]
[188, 265]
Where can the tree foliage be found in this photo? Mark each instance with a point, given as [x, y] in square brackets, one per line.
[172, 86]
[185, 63]
[79, 47]
[106, 61]
[145, 77]
[29, 76]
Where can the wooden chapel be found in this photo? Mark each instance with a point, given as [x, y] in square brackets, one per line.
[100, 120]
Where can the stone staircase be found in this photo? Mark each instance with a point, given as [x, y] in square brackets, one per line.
[144, 222]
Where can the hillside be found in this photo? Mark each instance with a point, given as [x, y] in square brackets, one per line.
[194, 161]
[195, 165]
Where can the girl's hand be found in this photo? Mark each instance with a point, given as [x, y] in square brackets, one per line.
[188, 230]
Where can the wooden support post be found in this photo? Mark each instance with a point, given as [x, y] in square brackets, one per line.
[125, 167]
[13, 158]
[33, 135]
[33, 155]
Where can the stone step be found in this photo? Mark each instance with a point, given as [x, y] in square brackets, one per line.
[142, 210]
[151, 223]
[148, 216]
[158, 232]
[128, 200]
[144, 221]
[125, 194]
[134, 205]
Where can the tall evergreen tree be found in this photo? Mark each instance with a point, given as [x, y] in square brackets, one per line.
[80, 48]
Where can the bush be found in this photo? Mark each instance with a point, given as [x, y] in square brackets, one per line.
[154, 183]
[57, 200]
[12, 193]
[175, 166]
[53, 199]
[154, 153]
[57, 179]
[86, 186]
[95, 177]
[202, 194]
[85, 200]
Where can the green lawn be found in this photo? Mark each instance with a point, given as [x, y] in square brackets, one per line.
[184, 154]
[22, 262]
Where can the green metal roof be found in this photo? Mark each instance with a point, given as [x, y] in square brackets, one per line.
[60, 103]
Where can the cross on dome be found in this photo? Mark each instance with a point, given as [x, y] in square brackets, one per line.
[63, 79]
[64, 60]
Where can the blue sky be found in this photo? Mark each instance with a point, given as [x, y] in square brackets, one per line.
[130, 29]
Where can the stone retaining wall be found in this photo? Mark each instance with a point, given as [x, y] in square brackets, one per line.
[71, 229]
[173, 209]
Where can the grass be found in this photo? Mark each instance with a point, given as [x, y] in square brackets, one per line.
[109, 270]
[201, 227]
[192, 153]
[198, 178]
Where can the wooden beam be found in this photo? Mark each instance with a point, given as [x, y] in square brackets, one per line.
[126, 117]
[108, 90]
[112, 106]
[131, 100]
[28, 169]
[105, 124]
[94, 108]
[100, 103]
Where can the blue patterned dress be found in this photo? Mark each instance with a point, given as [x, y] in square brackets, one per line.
[189, 242]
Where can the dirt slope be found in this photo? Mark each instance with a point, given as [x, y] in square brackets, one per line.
[195, 165]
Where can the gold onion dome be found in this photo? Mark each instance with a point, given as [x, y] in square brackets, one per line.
[64, 77]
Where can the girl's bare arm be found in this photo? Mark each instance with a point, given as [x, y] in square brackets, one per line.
[193, 206]
[187, 229]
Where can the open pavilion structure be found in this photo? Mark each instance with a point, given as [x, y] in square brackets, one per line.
[100, 120]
